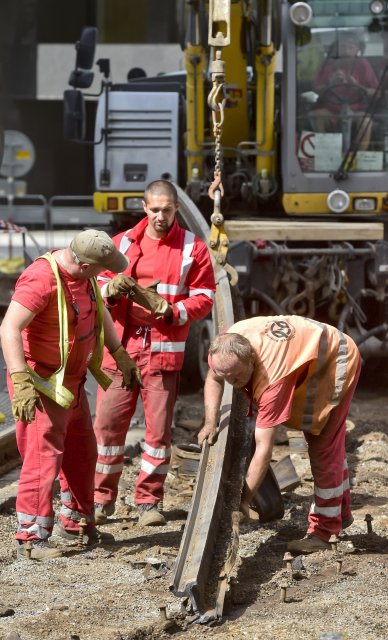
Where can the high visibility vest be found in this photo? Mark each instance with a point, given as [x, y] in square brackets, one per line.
[53, 386]
[283, 344]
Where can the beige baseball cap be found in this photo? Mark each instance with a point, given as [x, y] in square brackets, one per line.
[96, 247]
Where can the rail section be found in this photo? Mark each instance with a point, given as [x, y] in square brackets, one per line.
[194, 561]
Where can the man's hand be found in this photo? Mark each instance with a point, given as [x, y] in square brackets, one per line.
[248, 515]
[25, 397]
[119, 285]
[209, 433]
[129, 369]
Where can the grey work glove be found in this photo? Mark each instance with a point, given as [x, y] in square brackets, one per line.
[25, 397]
[129, 369]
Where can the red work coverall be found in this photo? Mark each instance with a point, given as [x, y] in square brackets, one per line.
[59, 441]
[182, 264]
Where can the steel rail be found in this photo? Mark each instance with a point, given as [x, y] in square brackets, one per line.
[190, 576]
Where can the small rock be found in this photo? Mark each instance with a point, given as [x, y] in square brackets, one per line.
[13, 636]
[6, 611]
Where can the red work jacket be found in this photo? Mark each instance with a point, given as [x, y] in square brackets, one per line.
[186, 277]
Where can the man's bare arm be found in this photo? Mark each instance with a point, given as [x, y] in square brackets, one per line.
[15, 320]
[213, 391]
[258, 466]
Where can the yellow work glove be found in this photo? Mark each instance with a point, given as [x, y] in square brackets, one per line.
[119, 286]
[25, 397]
[129, 369]
[148, 298]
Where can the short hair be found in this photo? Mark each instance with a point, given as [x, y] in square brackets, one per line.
[231, 344]
[161, 187]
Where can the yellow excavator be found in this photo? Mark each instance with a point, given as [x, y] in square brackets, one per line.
[281, 116]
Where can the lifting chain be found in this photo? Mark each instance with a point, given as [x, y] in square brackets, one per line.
[218, 240]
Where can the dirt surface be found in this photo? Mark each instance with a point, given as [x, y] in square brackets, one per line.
[118, 592]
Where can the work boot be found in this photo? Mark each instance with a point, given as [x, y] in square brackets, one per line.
[40, 550]
[92, 535]
[102, 511]
[346, 522]
[309, 544]
[149, 515]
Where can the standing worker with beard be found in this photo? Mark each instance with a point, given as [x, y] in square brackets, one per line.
[168, 284]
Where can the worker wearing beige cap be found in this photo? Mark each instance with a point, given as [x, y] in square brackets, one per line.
[54, 330]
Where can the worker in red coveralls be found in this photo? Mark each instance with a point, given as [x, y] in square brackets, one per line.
[303, 374]
[174, 271]
[53, 331]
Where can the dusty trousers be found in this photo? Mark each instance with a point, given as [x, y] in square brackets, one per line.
[60, 443]
[330, 471]
[115, 408]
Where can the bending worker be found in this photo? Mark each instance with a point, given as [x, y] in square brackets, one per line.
[153, 324]
[53, 331]
[303, 374]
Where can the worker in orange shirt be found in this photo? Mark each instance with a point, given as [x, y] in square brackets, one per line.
[303, 374]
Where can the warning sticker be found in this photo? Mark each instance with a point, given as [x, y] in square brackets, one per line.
[319, 151]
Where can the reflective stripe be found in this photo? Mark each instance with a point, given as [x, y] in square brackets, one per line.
[167, 347]
[176, 290]
[75, 515]
[207, 292]
[330, 512]
[110, 451]
[182, 313]
[171, 289]
[103, 290]
[37, 531]
[187, 259]
[161, 454]
[66, 496]
[341, 368]
[341, 361]
[44, 521]
[107, 469]
[346, 484]
[125, 243]
[149, 468]
[333, 492]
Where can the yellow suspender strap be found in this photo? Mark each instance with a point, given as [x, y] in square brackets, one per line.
[52, 386]
[95, 363]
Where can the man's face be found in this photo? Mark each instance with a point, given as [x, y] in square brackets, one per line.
[160, 210]
[233, 370]
[86, 271]
[348, 48]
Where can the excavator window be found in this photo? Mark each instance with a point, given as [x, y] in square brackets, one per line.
[341, 93]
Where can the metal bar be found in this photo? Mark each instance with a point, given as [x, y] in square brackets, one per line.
[191, 570]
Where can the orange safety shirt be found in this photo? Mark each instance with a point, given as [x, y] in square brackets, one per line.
[284, 345]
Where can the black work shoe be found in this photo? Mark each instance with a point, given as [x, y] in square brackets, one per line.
[92, 535]
[346, 522]
[102, 511]
[150, 516]
[39, 550]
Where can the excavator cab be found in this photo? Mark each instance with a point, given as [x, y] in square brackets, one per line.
[335, 136]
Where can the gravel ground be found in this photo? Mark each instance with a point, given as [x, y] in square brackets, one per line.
[119, 592]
